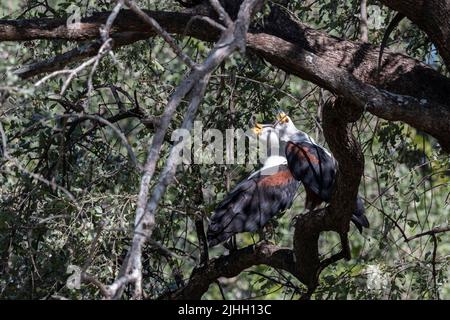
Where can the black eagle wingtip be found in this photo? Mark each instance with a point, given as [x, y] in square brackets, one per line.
[212, 241]
[360, 222]
[228, 244]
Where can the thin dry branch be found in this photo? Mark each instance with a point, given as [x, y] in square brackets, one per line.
[116, 130]
[163, 33]
[223, 15]
[18, 165]
[232, 38]
[414, 93]
[432, 232]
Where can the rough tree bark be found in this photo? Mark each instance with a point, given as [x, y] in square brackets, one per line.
[232, 265]
[286, 43]
[405, 90]
[336, 217]
[432, 16]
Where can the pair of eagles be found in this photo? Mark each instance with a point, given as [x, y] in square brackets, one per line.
[270, 190]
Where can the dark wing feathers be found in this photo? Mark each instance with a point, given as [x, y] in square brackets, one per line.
[358, 217]
[251, 204]
[313, 166]
[316, 169]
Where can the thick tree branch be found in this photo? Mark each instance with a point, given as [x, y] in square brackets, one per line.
[89, 27]
[432, 16]
[306, 248]
[335, 217]
[232, 265]
[419, 113]
[344, 67]
[338, 115]
[400, 74]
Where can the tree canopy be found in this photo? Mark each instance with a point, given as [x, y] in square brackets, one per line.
[94, 204]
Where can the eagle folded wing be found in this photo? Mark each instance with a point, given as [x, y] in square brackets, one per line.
[251, 204]
[313, 166]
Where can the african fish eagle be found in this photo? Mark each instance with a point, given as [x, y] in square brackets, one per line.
[311, 164]
[254, 201]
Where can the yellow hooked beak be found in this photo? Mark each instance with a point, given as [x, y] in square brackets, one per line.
[281, 118]
[257, 129]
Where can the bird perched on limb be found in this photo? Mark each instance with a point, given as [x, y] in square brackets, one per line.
[254, 201]
[295, 158]
[311, 164]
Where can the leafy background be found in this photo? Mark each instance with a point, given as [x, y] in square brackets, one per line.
[42, 231]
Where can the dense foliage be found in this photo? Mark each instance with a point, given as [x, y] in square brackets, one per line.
[43, 230]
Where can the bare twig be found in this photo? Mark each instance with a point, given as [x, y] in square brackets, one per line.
[223, 15]
[106, 30]
[210, 21]
[433, 263]
[87, 278]
[74, 55]
[431, 232]
[105, 48]
[343, 254]
[93, 247]
[72, 73]
[116, 131]
[163, 33]
[35, 176]
[233, 38]
[363, 29]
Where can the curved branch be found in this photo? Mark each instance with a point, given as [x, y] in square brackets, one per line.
[76, 55]
[231, 265]
[401, 74]
[423, 114]
[432, 16]
[116, 130]
[417, 94]
[335, 217]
